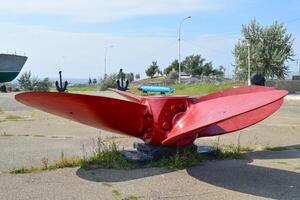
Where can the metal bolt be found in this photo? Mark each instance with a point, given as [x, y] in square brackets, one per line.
[166, 126]
[173, 109]
[182, 107]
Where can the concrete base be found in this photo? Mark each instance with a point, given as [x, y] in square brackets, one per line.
[146, 152]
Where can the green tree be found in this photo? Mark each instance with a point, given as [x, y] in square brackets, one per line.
[173, 66]
[220, 72]
[110, 81]
[152, 69]
[26, 82]
[130, 77]
[271, 47]
[196, 65]
[207, 69]
[137, 76]
[41, 85]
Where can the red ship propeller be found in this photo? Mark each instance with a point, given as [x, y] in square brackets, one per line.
[163, 120]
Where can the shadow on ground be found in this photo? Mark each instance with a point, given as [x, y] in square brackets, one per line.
[290, 152]
[236, 175]
[242, 176]
[112, 175]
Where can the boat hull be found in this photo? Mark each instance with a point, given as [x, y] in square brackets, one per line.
[10, 66]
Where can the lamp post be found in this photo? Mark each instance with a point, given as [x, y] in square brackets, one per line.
[298, 63]
[179, 48]
[105, 55]
[249, 64]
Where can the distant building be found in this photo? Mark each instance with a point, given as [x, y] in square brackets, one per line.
[184, 75]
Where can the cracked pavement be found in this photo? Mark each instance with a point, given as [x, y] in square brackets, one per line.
[33, 135]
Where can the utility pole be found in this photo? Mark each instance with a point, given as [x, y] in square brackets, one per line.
[249, 60]
[179, 48]
[298, 63]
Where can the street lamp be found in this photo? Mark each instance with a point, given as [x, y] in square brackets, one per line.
[179, 48]
[298, 63]
[105, 55]
[249, 64]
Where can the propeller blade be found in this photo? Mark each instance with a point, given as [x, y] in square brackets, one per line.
[241, 121]
[96, 111]
[234, 91]
[128, 95]
[202, 114]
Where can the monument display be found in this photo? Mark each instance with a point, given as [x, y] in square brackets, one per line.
[173, 121]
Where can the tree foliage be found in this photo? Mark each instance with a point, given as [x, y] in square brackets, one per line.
[130, 76]
[26, 82]
[153, 69]
[220, 72]
[271, 47]
[173, 66]
[110, 81]
[137, 76]
[194, 65]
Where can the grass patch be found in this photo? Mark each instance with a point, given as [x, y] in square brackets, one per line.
[281, 162]
[24, 170]
[82, 89]
[25, 135]
[118, 195]
[131, 197]
[62, 163]
[38, 136]
[107, 184]
[6, 134]
[45, 166]
[1, 111]
[192, 90]
[115, 193]
[230, 152]
[107, 155]
[201, 89]
[276, 148]
[77, 89]
[13, 118]
[246, 149]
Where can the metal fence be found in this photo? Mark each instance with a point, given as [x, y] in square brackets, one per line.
[184, 81]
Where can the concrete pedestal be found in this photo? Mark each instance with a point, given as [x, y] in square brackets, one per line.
[144, 153]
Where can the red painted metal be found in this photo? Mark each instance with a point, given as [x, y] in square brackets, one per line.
[96, 111]
[164, 120]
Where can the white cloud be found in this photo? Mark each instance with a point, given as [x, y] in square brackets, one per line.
[81, 54]
[108, 10]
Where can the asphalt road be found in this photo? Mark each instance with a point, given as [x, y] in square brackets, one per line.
[33, 135]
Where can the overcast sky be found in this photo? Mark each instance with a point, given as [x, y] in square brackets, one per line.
[72, 35]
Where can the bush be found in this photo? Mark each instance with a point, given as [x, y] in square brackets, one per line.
[109, 82]
[172, 77]
[33, 84]
[42, 85]
[24, 81]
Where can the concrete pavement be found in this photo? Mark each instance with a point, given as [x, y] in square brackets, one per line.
[33, 135]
